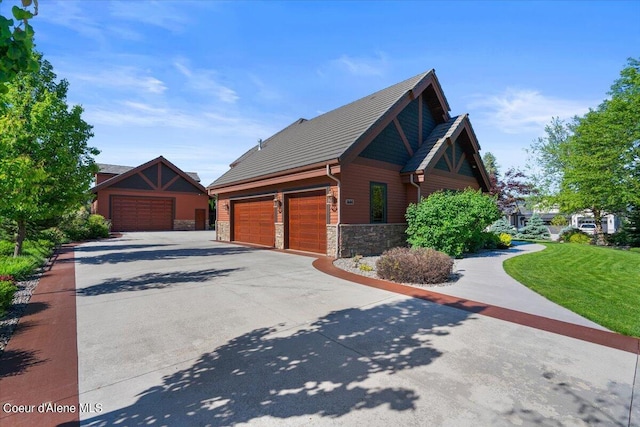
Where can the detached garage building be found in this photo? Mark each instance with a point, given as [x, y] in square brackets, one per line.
[155, 196]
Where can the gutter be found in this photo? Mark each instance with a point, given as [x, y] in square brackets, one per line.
[339, 216]
[412, 182]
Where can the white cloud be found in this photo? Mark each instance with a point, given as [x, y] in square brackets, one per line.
[523, 110]
[123, 77]
[205, 82]
[157, 13]
[363, 66]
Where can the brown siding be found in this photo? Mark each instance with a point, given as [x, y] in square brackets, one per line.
[185, 204]
[101, 177]
[355, 185]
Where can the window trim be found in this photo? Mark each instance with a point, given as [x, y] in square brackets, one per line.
[382, 185]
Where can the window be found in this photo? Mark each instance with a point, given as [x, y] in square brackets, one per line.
[378, 202]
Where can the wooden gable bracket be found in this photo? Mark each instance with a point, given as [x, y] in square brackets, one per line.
[148, 181]
[405, 141]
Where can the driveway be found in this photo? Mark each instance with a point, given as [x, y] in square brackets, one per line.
[176, 329]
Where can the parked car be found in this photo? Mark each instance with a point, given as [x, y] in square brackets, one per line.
[588, 228]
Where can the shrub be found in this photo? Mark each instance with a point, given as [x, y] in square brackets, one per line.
[580, 237]
[503, 226]
[451, 222]
[559, 221]
[534, 230]
[414, 265]
[505, 240]
[567, 233]
[365, 267]
[6, 248]
[489, 240]
[53, 234]
[82, 226]
[20, 268]
[7, 290]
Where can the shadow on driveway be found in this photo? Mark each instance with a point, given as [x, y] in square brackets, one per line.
[118, 256]
[322, 370]
[153, 281]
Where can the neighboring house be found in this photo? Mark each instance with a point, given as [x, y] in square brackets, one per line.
[610, 222]
[521, 215]
[339, 184]
[154, 196]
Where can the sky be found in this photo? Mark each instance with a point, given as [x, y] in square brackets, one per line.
[199, 82]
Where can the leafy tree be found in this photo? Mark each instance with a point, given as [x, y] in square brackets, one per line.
[509, 190]
[451, 222]
[46, 166]
[593, 163]
[490, 163]
[559, 221]
[535, 229]
[16, 43]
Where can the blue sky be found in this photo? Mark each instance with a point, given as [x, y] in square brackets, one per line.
[200, 82]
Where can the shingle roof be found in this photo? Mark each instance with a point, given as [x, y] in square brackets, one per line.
[430, 147]
[323, 138]
[117, 170]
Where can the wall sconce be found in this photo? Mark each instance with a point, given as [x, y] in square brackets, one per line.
[277, 204]
[332, 201]
[226, 206]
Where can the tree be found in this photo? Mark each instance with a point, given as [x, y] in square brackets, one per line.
[16, 43]
[593, 163]
[510, 190]
[535, 229]
[46, 166]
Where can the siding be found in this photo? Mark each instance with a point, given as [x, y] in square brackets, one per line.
[387, 147]
[355, 185]
[408, 119]
[440, 180]
[428, 122]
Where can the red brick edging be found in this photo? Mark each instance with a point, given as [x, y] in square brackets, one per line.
[39, 366]
[596, 336]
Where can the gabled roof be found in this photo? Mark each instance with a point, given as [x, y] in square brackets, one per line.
[329, 136]
[430, 147]
[117, 170]
[134, 170]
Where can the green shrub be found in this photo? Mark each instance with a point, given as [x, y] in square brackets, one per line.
[559, 221]
[365, 267]
[489, 240]
[566, 235]
[20, 268]
[6, 248]
[451, 222]
[7, 290]
[414, 265]
[503, 226]
[505, 240]
[534, 230]
[581, 238]
[53, 234]
[82, 226]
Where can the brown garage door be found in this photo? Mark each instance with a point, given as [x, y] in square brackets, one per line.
[253, 221]
[307, 229]
[141, 214]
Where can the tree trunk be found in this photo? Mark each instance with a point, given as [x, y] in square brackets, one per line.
[22, 231]
[599, 237]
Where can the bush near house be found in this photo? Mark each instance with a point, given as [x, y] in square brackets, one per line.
[81, 225]
[573, 235]
[451, 222]
[7, 289]
[505, 240]
[414, 265]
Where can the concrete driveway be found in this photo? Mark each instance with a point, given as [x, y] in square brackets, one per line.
[175, 329]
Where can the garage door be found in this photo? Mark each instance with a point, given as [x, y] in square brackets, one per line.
[307, 222]
[141, 214]
[253, 221]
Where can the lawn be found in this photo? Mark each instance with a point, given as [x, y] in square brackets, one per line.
[601, 284]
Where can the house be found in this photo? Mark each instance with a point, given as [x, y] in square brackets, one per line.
[339, 184]
[154, 196]
[610, 222]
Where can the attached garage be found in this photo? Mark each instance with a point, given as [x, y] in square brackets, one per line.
[254, 221]
[141, 213]
[307, 221]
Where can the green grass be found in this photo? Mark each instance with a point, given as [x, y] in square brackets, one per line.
[598, 283]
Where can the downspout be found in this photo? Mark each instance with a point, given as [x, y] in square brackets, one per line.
[338, 223]
[415, 185]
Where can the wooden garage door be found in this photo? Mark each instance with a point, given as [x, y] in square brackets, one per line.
[141, 214]
[253, 221]
[307, 222]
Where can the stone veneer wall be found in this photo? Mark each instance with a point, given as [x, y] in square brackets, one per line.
[331, 240]
[279, 235]
[223, 231]
[184, 224]
[370, 239]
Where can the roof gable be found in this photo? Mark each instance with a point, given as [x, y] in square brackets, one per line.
[158, 174]
[118, 169]
[338, 135]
